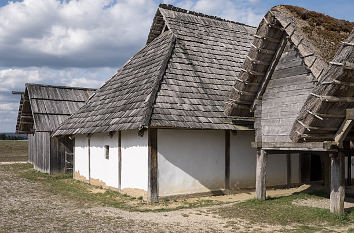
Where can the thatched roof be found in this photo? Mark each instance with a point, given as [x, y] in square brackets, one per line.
[180, 79]
[316, 36]
[45, 107]
[325, 109]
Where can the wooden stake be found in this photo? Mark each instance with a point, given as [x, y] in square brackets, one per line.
[337, 184]
[261, 174]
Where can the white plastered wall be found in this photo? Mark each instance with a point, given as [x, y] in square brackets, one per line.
[243, 163]
[190, 161]
[104, 171]
[134, 160]
[81, 158]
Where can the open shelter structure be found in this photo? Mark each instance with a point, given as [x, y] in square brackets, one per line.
[297, 81]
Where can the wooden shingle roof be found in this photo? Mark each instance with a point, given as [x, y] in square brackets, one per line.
[181, 78]
[45, 107]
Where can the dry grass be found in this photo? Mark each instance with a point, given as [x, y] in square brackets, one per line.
[13, 150]
[324, 31]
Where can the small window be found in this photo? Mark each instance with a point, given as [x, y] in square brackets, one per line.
[106, 149]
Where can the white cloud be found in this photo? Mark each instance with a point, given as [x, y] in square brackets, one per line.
[55, 33]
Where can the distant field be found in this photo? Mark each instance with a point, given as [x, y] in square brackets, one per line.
[13, 150]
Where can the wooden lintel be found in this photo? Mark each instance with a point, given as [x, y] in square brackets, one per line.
[270, 72]
[343, 131]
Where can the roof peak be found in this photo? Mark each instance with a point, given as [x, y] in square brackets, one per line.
[61, 87]
[181, 10]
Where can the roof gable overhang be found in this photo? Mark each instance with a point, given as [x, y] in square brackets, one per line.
[276, 28]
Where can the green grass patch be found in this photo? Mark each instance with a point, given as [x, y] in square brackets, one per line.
[281, 211]
[81, 192]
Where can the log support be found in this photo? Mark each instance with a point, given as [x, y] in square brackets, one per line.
[261, 174]
[152, 161]
[337, 183]
[227, 159]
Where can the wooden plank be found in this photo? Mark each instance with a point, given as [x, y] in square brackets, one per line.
[346, 145]
[89, 156]
[152, 165]
[119, 160]
[288, 169]
[227, 159]
[350, 114]
[337, 184]
[343, 132]
[269, 73]
[261, 174]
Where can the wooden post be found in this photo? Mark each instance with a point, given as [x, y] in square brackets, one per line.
[327, 171]
[89, 157]
[152, 161]
[346, 145]
[227, 159]
[261, 174]
[337, 183]
[119, 160]
[288, 169]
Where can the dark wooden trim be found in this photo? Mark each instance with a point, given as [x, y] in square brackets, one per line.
[346, 145]
[73, 158]
[152, 165]
[119, 160]
[227, 159]
[288, 169]
[89, 157]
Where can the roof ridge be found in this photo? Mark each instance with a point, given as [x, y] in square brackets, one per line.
[150, 101]
[181, 10]
[60, 87]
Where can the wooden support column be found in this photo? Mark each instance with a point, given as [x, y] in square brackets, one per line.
[346, 145]
[89, 157]
[227, 159]
[152, 160]
[337, 183]
[261, 174]
[288, 169]
[327, 171]
[119, 160]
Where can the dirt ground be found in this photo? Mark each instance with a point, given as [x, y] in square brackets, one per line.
[26, 206]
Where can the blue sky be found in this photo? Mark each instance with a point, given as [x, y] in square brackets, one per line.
[83, 42]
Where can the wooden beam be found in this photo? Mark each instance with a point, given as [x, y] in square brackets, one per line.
[347, 152]
[288, 169]
[337, 184]
[152, 166]
[343, 131]
[17, 92]
[350, 114]
[227, 159]
[119, 160]
[89, 157]
[270, 72]
[261, 174]
[334, 99]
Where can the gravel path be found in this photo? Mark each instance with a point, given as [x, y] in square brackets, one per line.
[28, 207]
